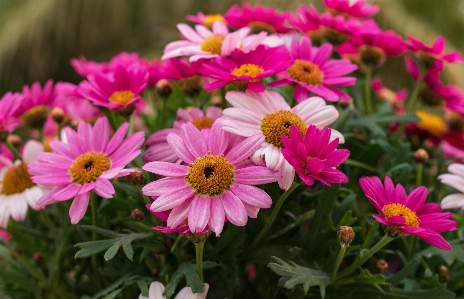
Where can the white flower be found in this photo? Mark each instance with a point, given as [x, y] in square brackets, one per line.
[157, 288]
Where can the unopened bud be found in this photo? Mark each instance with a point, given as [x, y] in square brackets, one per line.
[344, 103]
[37, 257]
[197, 238]
[15, 140]
[345, 235]
[155, 271]
[35, 117]
[381, 266]
[443, 273]
[169, 243]
[372, 56]
[126, 111]
[334, 37]
[163, 88]
[57, 115]
[191, 86]
[137, 215]
[421, 156]
[135, 177]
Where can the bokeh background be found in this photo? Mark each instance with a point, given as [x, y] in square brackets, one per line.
[39, 37]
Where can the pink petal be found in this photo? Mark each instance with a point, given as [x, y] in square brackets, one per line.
[79, 207]
[199, 214]
[234, 209]
[217, 218]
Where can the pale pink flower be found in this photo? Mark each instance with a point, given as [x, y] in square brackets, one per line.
[455, 179]
[156, 289]
[268, 115]
[9, 105]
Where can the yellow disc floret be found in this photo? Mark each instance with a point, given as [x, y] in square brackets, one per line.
[213, 44]
[397, 209]
[122, 97]
[276, 124]
[211, 19]
[306, 72]
[431, 123]
[248, 69]
[89, 167]
[16, 180]
[203, 122]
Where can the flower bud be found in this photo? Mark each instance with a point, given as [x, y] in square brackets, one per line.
[421, 156]
[37, 257]
[126, 111]
[381, 266]
[191, 86]
[35, 117]
[135, 177]
[344, 103]
[15, 140]
[372, 56]
[345, 235]
[163, 88]
[334, 37]
[137, 215]
[443, 273]
[57, 115]
[197, 238]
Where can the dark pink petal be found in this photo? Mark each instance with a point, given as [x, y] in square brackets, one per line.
[381, 220]
[256, 86]
[417, 198]
[429, 236]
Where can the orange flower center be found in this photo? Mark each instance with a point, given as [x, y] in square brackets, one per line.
[431, 123]
[306, 72]
[203, 122]
[211, 19]
[276, 124]
[213, 44]
[16, 180]
[122, 97]
[89, 167]
[397, 209]
[248, 69]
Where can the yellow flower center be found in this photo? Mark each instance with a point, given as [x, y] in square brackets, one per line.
[248, 69]
[211, 19]
[397, 209]
[35, 117]
[431, 123]
[306, 72]
[213, 44]
[211, 175]
[276, 124]
[122, 97]
[16, 180]
[203, 122]
[372, 55]
[89, 167]
[257, 27]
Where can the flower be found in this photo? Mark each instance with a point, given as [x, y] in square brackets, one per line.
[313, 71]
[73, 104]
[247, 68]
[17, 189]
[404, 215]
[452, 144]
[86, 162]
[114, 90]
[258, 18]
[433, 56]
[268, 114]
[127, 60]
[453, 179]
[215, 183]
[157, 288]
[307, 21]
[4, 235]
[185, 74]
[158, 147]
[357, 9]
[314, 156]
[36, 104]
[206, 20]
[9, 104]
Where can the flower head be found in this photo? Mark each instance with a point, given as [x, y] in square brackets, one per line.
[433, 56]
[248, 68]
[313, 71]
[268, 114]
[215, 183]
[357, 9]
[127, 60]
[36, 104]
[308, 22]
[9, 104]
[404, 215]
[86, 162]
[314, 156]
[206, 20]
[156, 289]
[454, 179]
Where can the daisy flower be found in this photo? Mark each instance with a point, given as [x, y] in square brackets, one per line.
[18, 191]
[246, 68]
[430, 56]
[158, 147]
[454, 179]
[86, 162]
[127, 60]
[307, 21]
[156, 289]
[452, 144]
[258, 18]
[206, 20]
[314, 156]
[115, 90]
[214, 185]
[313, 71]
[73, 104]
[9, 104]
[349, 8]
[4, 235]
[403, 215]
[36, 104]
[185, 74]
[268, 115]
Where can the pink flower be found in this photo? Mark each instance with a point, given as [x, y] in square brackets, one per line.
[156, 290]
[268, 115]
[4, 235]
[258, 18]
[156, 71]
[115, 90]
[313, 71]
[454, 179]
[434, 55]
[36, 100]
[314, 156]
[388, 94]
[206, 20]
[452, 144]
[86, 162]
[247, 68]
[404, 215]
[337, 29]
[9, 105]
[127, 60]
[158, 147]
[357, 9]
[308, 22]
[214, 185]
[73, 104]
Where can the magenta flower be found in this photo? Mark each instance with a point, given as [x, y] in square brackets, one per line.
[258, 18]
[433, 55]
[404, 215]
[158, 147]
[206, 20]
[313, 71]
[247, 68]
[356, 9]
[86, 162]
[314, 156]
[454, 179]
[9, 105]
[73, 104]
[268, 114]
[178, 69]
[127, 60]
[115, 90]
[214, 185]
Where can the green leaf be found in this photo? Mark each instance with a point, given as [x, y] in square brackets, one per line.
[143, 287]
[113, 294]
[449, 256]
[111, 252]
[92, 247]
[367, 277]
[439, 292]
[172, 285]
[294, 274]
[104, 232]
[127, 247]
[193, 280]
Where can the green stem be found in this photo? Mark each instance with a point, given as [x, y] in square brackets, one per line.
[176, 242]
[16, 154]
[20, 258]
[384, 241]
[93, 207]
[412, 99]
[307, 216]
[161, 113]
[340, 256]
[48, 221]
[223, 98]
[274, 213]
[367, 91]
[419, 169]
[199, 258]
[359, 165]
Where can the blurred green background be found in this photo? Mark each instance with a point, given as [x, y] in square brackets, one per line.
[38, 38]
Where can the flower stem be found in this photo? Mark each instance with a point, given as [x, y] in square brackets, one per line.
[360, 165]
[32, 269]
[419, 170]
[412, 99]
[340, 256]
[367, 91]
[199, 255]
[93, 207]
[14, 151]
[384, 241]
[274, 213]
